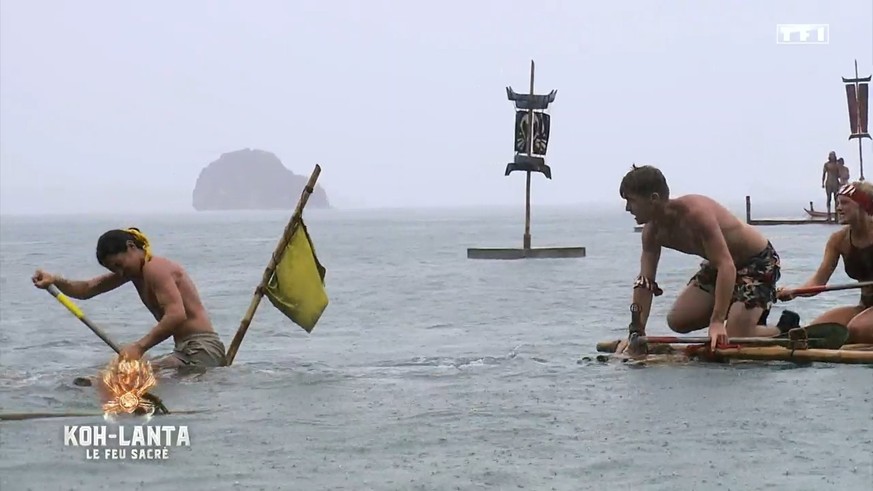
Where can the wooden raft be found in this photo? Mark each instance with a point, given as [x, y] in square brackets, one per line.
[855, 354]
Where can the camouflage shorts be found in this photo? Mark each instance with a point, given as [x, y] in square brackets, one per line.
[755, 284]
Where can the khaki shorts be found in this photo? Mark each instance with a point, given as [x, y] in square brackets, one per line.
[199, 350]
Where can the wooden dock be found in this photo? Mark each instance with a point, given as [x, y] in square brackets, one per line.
[775, 221]
[782, 221]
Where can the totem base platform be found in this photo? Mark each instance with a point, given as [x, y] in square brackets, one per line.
[522, 253]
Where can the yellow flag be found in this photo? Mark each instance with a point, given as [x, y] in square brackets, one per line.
[297, 286]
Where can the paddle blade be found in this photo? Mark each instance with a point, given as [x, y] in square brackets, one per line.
[297, 286]
[827, 335]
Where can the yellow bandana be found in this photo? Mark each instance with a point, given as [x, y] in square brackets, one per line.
[141, 238]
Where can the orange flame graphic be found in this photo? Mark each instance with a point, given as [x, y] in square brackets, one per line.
[125, 383]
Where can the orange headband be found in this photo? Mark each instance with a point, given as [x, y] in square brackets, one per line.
[857, 196]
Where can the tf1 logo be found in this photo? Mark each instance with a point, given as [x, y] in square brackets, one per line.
[802, 34]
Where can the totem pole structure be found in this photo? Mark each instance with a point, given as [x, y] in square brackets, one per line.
[858, 95]
[532, 125]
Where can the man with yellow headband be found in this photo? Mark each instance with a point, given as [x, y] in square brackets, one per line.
[165, 289]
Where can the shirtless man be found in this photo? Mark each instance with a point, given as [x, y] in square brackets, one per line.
[736, 283]
[830, 179]
[165, 289]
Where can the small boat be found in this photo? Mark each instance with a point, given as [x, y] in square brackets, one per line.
[813, 213]
[817, 214]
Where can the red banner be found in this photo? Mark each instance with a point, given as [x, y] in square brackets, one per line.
[858, 102]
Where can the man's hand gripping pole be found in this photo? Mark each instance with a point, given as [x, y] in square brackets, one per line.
[636, 345]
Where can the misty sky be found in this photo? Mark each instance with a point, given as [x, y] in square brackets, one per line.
[118, 105]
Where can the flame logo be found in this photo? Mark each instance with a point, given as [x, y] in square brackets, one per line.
[124, 387]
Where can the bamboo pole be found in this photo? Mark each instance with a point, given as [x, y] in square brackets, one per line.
[608, 346]
[271, 266]
[70, 414]
[857, 347]
[778, 353]
[611, 346]
[654, 349]
[749, 341]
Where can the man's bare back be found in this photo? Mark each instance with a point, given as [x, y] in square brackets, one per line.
[676, 232]
[831, 171]
[160, 269]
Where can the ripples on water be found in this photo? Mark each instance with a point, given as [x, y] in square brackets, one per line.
[428, 370]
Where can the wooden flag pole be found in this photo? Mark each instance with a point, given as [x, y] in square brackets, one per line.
[271, 267]
[525, 241]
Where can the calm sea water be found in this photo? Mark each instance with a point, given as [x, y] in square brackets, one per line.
[428, 371]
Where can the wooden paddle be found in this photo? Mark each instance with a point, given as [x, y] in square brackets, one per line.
[790, 293]
[75, 310]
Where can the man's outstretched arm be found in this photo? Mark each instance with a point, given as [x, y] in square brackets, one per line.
[645, 286]
[85, 289]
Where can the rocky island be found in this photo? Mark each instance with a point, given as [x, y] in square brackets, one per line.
[251, 179]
